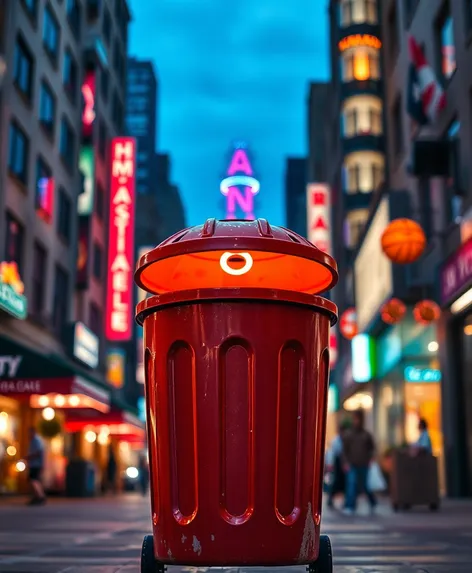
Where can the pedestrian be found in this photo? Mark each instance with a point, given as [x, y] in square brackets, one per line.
[334, 464]
[143, 474]
[111, 470]
[358, 453]
[423, 444]
[35, 459]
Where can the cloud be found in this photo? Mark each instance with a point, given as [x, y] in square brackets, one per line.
[231, 70]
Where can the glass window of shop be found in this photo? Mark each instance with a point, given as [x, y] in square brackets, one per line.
[360, 63]
[466, 393]
[354, 226]
[10, 448]
[358, 12]
[362, 115]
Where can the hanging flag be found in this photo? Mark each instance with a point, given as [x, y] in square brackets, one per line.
[426, 98]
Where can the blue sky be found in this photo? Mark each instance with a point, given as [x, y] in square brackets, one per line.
[231, 70]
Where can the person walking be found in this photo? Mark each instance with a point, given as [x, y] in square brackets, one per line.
[112, 468]
[423, 444]
[358, 453]
[35, 459]
[334, 464]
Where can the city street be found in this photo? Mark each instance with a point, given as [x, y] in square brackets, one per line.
[104, 536]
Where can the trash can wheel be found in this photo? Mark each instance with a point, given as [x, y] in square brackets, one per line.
[148, 561]
[324, 563]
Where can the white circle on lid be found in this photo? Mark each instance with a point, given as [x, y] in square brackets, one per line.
[236, 272]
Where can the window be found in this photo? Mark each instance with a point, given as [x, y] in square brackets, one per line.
[397, 131]
[38, 282]
[354, 226]
[107, 26]
[137, 124]
[360, 64]
[73, 16]
[142, 173]
[61, 296]
[93, 10]
[67, 143]
[70, 75]
[51, 34]
[137, 103]
[64, 216]
[117, 112]
[14, 241]
[363, 171]
[452, 194]
[362, 115]
[102, 139]
[99, 201]
[23, 69]
[95, 319]
[358, 12]
[142, 157]
[31, 7]
[47, 107]
[18, 152]
[104, 83]
[97, 261]
[445, 40]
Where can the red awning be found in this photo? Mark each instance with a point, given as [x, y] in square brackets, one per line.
[62, 392]
[120, 424]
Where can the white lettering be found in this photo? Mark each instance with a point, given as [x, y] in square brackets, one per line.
[118, 303]
[122, 196]
[119, 321]
[9, 365]
[120, 281]
[20, 386]
[125, 150]
[120, 264]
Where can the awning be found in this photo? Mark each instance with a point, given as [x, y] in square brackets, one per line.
[48, 379]
[120, 424]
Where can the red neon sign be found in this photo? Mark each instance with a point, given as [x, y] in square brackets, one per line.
[119, 323]
[88, 113]
[45, 198]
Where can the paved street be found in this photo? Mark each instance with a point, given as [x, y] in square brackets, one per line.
[105, 535]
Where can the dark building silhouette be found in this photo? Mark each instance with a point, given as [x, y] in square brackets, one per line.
[295, 194]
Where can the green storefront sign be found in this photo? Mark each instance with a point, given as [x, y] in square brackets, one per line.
[12, 302]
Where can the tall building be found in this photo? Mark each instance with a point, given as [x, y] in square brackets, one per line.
[61, 103]
[295, 194]
[170, 204]
[141, 118]
[318, 155]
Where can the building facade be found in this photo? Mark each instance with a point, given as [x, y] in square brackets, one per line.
[62, 91]
[295, 194]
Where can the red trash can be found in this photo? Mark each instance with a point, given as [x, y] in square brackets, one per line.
[236, 344]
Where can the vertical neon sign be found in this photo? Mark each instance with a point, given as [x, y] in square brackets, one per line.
[119, 322]
[240, 186]
[88, 111]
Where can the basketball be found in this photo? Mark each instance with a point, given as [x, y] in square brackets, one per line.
[403, 241]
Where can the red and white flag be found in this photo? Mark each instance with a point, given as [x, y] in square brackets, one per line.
[426, 97]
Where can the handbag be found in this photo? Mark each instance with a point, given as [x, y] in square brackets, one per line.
[375, 479]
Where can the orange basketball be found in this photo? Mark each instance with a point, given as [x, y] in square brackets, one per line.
[403, 241]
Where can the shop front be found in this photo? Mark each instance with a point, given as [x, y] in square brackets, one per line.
[456, 360]
[408, 388]
[38, 390]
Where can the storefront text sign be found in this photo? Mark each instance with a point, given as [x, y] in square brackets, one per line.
[86, 345]
[119, 323]
[413, 374]
[12, 299]
[456, 274]
[371, 263]
[20, 386]
[9, 365]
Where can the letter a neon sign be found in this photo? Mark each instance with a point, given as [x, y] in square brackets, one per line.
[240, 186]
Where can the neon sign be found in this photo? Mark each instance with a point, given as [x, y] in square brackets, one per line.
[45, 198]
[319, 216]
[87, 169]
[88, 112]
[358, 40]
[12, 298]
[119, 324]
[240, 186]
[413, 374]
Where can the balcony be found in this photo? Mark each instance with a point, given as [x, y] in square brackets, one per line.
[361, 87]
[366, 29]
[363, 142]
[359, 200]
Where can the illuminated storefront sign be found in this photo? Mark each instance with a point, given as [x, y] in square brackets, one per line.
[413, 374]
[45, 198]
[116, 361]
[359, 40]
[87, 169]
[88, 113]
[86, 345]
[119, 323]
[12, 299]
[319, 216]
[363, 358]
[240, 187]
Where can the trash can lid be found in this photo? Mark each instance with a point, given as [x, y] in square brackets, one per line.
[236, 254]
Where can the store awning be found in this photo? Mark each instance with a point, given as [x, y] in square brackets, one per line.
[48, 380]
[119, 423]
